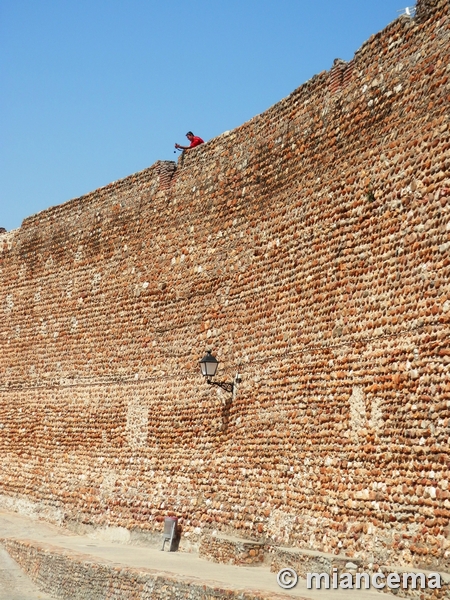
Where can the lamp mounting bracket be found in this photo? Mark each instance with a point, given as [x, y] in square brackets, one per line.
[225, 385]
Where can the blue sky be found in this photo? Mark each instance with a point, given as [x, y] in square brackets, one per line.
[94, 90]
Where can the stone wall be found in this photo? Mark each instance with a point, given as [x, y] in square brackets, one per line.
[231, 550]
[309, 250]
[69, 575]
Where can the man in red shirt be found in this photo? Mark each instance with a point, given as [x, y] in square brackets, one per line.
[194, 139]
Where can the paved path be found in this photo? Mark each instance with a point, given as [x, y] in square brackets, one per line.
[250, 578]
[14, 584]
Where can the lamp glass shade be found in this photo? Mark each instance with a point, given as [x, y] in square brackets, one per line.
[208, 365]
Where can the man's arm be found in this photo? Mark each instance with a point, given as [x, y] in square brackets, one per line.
[196, 141]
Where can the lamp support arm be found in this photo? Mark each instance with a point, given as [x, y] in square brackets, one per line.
[225, 385]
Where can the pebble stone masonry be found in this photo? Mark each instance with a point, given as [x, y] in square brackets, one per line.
[309, 249]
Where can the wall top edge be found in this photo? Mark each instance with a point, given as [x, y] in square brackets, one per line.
[146, 174]
[426, 9]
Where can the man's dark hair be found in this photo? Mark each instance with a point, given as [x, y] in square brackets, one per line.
[189, 133]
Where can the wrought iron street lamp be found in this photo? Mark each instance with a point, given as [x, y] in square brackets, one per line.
[208, 366]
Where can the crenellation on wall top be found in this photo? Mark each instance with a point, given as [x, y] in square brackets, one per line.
[7, 240]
